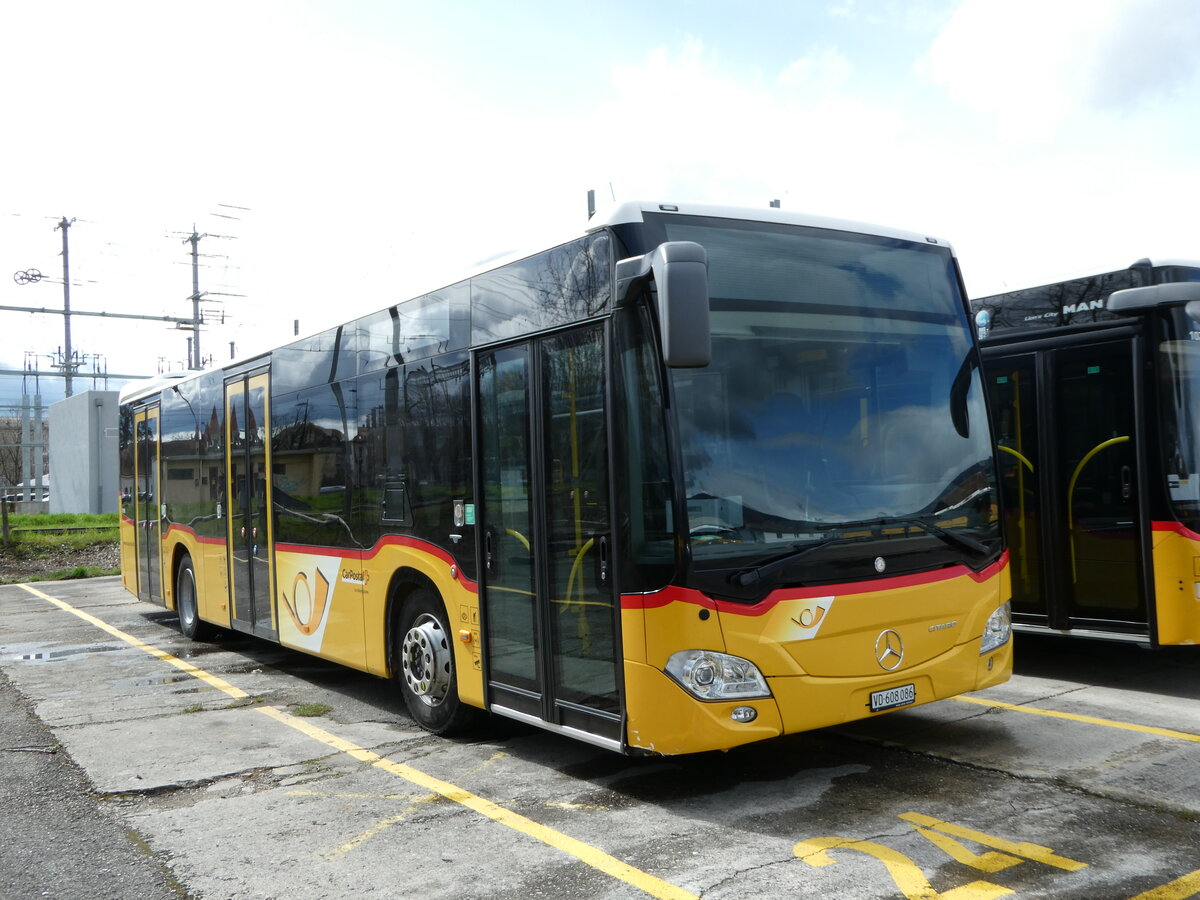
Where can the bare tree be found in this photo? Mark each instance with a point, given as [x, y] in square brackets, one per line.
[11, 458]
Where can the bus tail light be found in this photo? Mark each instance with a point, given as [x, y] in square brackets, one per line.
[997, 630]
[710, 675]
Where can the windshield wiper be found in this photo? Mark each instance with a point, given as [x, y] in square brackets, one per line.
[754, 575]
[964, 541]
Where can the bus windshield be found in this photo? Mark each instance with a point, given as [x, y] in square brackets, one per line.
[843, 404]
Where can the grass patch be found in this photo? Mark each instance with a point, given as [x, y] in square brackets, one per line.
[312, 710]
[67, 574]
[194, 708]
[243, 701]
[69, 531]
[77, 572]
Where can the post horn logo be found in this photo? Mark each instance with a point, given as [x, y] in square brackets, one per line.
[306, 605]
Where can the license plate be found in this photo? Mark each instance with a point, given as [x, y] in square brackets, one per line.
[893, 697]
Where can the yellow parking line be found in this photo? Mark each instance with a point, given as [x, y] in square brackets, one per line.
[209, 679]
[1087, 720]
[594, 857]
[1179, 889]
[355, 842]
[584, 852]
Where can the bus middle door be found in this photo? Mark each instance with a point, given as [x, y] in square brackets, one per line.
[249, 529]
[147, 505]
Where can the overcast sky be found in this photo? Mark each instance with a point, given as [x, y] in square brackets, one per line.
[343, 154]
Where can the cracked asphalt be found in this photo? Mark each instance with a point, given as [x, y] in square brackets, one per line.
[1077, 779]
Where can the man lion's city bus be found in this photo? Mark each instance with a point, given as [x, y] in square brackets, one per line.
[1094, 385]
[698, 478]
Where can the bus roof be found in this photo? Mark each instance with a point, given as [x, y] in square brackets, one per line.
[633, 211]
[1145, 262]
[1081, 301]
[147, 387]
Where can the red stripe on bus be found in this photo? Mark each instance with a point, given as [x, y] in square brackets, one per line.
[675, 594]
[199, 538]
[1177, 527]
[387, 540]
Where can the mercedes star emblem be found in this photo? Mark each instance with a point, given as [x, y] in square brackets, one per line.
[889, 650]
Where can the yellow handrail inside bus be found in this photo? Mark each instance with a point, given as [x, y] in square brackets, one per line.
[582, 629]
[1023, 557]
[1019, 456]
[1023, 544]
[1071, 495]
[520, 537]
[575, 571]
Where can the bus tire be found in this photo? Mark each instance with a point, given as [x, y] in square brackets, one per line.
[186, 604]
[425, 666]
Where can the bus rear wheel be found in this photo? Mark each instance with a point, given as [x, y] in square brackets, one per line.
[425, 666]
[186, 604]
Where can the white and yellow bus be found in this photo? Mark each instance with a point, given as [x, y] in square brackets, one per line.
[700, 477]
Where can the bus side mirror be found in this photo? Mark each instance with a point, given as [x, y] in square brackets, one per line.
[1140, 299]
[678, 272]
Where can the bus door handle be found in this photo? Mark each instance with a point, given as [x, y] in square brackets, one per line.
[603, 561]
[1126, 482]
[490, 549]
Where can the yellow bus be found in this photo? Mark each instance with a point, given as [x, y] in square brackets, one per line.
[1096, 400]
[698, 477]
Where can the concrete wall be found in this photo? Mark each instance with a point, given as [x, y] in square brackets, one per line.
[83, 453]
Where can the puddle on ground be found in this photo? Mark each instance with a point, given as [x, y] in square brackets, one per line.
[67, 653]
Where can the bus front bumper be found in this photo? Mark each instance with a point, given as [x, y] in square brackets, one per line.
[664, 718]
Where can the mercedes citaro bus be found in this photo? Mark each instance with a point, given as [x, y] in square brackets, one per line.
[696, 478]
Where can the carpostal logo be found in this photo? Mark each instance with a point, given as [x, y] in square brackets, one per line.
[361, 577]
[809, 615]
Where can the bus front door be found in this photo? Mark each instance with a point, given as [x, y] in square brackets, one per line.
[249, 528]
[552, 645]
[1067, 422]
[147, 508]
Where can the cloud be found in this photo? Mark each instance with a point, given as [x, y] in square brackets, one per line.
[716, 134]
[1147, 55]
[1033, 66]
[378, 165]
[825, 70]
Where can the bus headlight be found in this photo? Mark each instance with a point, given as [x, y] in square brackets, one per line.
[710, 675]
[997, 630]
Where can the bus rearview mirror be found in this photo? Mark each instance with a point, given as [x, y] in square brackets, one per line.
[678, 272]
[1140, 299]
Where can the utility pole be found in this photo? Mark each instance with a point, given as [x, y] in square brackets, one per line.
[194, 354]
[67, 363]
[195, 357]
[68, 360]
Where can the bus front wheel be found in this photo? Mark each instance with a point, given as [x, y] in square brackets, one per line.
[425, 669]
[186, 605]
